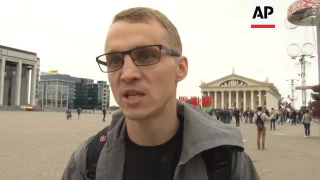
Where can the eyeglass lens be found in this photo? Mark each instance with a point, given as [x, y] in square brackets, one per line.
[143, 56]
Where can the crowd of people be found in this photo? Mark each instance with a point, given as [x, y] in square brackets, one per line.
[262, 116]
[293, 116]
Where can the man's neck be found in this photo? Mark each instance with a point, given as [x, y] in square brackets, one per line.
[155, 131]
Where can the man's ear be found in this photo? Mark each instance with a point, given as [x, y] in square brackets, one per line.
[182, 68]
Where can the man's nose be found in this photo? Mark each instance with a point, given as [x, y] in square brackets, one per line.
[129, 71]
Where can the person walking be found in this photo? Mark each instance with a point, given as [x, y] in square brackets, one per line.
[251, 115]
[104, 112]
[237, 116]
[69, 114]
[79, 112]
[273, 114]
[281, 115]
[306, 119]
[294, 117]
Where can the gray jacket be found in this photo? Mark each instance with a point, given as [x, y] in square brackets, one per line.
[201, 132]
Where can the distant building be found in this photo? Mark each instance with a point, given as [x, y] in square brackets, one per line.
[62, 91]
[17, 68]
[241, 92]
[92, 95]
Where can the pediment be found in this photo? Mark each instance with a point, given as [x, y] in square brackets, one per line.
[233, 80]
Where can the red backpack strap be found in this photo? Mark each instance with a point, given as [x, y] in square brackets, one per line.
[93, 153]
[218, 162]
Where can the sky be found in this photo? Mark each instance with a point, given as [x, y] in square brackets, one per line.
[216, 37]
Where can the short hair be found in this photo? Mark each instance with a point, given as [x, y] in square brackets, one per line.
[139, 14]
[307, 111]
[259, 108]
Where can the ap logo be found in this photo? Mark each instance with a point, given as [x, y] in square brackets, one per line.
[263, 14]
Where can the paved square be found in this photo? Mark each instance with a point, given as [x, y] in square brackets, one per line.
[37, 146]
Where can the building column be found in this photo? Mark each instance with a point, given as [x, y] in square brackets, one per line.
[222, 100]
[252, 108]
[244, 100]
[211, 98]
[33, 84]
[267, 100]
[61, 96]
[2, 73]
[237, 99]
[28, 85]
[56, 96]
[260, 98]
[229, 99]
[215, 99]
[18, 84]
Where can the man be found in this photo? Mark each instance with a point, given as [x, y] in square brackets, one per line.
[281, 115]
[273, 113]
[261, 131]
[79, 112]
[237, 116]
[306, 119]
[154, 136]
[68, 112]
[294, 117]
[104, 112]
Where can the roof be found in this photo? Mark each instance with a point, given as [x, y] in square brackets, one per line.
[271, 85]
[18, 50]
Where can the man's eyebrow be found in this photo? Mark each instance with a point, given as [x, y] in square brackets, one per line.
[113, 50]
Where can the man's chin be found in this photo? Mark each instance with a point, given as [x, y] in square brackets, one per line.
[135, 115]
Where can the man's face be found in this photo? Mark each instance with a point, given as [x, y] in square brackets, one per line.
[143, 91]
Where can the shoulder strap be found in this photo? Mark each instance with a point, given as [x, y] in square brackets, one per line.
[259, 115]
[93, 153]
[218, 162]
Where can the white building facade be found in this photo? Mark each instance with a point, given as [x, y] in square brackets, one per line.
[235, 91]
[17, 67]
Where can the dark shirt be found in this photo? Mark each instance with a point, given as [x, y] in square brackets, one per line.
[236, 113]
[153, 162]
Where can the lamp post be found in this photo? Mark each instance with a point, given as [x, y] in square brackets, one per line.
[307, 50]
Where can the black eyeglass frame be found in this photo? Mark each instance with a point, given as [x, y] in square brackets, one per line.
[123, 53]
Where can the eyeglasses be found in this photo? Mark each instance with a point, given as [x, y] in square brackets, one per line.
[141, 56]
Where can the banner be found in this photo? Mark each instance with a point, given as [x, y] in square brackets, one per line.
[53, 72]
[206, 101]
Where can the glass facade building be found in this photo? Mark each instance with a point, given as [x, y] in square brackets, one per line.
[92, 95]
[62, 91]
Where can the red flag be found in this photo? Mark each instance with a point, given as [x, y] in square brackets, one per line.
[185, 99]
[202, 101]
[195, 101]
[192, 100]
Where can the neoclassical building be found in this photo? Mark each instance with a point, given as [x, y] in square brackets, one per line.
[17, 68]
[241, 92]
